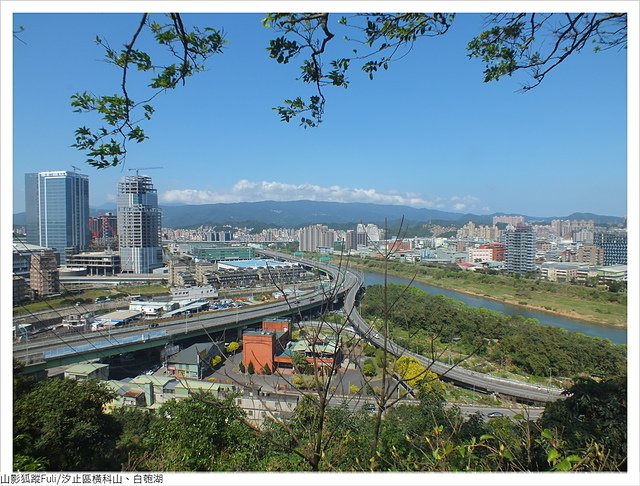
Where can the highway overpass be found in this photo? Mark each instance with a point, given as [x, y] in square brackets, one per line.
[345, 284]
[480, 382]
[43, 354]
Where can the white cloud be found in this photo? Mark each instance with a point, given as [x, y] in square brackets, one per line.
[247, 191]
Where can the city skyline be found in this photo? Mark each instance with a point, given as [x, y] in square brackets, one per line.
[443, 139]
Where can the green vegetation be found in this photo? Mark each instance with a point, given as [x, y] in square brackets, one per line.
[68, 299]
[147, 289]
[422, 322]
[590, 304]
[61, 425]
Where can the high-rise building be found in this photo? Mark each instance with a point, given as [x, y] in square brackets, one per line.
[44, 276]
[57, 211]
[316, 236]
[614, 245]
[351, 240]
[520, 249]
[139, 223]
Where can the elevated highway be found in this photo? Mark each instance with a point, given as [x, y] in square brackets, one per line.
[41, 354]
[345, 284]
[480, 382]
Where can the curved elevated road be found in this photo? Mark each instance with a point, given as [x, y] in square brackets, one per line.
[345, 284]
[523, 392]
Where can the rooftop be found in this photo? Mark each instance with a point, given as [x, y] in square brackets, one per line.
[190, 355]
[85, 368]
[255, 263]
[319, 347]
[120, 314]
[155, 380]
[191, 384]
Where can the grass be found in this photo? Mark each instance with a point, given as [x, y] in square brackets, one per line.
[148, 289]
[589, 304]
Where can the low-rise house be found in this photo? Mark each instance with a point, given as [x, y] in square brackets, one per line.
[259, 405]
[134, 398]
[194, 361]
[151, 392]
[184, 387]
[152, 308]
[87, 371]
[158, 389]
[82, 321]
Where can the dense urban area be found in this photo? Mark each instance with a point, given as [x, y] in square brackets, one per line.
[233, 347]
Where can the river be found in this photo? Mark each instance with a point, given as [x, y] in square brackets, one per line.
[615, 335]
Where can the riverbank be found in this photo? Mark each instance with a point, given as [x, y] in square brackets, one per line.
[568, 301]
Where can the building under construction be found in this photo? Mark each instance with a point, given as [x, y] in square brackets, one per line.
[104, 230]
[139, 223]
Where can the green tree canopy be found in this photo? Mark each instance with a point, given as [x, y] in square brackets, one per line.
[198, 433]
[63, 423]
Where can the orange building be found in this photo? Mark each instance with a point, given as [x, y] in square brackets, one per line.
[260, 347]
[498, 250]
[271, 347]
[279, 325]
[257, 348]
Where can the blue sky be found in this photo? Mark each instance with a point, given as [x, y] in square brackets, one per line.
[426, 133]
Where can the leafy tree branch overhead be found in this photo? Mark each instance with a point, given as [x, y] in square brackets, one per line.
[328, 47]
[121, 115]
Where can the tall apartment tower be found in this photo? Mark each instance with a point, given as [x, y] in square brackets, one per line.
[314, 236]
[139, 223]
[614, 245]
[57, 211]
[520, 249]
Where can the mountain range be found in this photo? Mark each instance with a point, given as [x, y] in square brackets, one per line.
[292, 214]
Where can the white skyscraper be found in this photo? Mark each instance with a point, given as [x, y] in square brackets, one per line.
[139, 223]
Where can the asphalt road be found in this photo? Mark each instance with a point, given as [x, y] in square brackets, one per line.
[343, 281]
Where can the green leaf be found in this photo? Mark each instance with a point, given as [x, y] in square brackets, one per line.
[552, 456]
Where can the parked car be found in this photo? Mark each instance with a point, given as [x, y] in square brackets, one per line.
[369, 407]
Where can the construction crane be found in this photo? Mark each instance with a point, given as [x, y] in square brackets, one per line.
[75, 169]
[138, 169]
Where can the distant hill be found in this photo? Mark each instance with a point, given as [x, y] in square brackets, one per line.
[292, 214]
[597, 219]
[298, 213]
